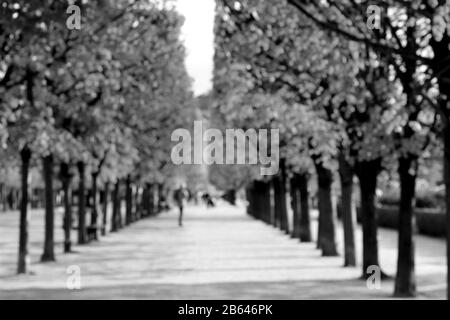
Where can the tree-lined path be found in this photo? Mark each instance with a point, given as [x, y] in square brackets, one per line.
[220, 253]
[91, 117]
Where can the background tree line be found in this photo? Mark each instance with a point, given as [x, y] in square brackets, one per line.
[91, 110]
[349, 100]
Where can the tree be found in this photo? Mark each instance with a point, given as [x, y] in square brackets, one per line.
[272, 65]
[413, 27]
[65, 93]
[48, 254]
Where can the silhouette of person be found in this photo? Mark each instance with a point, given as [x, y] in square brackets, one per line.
[180, 198]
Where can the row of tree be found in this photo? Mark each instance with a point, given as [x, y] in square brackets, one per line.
[347, 98]
[90, 105]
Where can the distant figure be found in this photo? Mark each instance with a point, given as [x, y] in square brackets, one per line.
[208, 200]
[180, 196]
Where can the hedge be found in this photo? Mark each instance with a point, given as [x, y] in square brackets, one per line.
[423, 200]
[387, 216]
[429, 221]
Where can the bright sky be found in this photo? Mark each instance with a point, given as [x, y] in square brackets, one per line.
[198, 37]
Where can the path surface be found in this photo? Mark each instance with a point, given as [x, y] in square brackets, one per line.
[220, 253]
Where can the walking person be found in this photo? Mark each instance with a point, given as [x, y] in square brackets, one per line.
[180, 198]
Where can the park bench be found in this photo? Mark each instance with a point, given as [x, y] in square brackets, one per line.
[91, 231]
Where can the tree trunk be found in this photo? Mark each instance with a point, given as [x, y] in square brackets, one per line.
[145, 200]
[48, 254]
[265, 200]
[348, 210]
[326, 238]
[151, 203]
[115, 195]
[105, 207]
[280, 198]
[259, 199]
[283, 206]
[305, 221]
[116, 219]
[82, 233]
[256, 190]
[137, 204]
[94, 208]
[158, 191]
[295, 205]
[367, 172]
[161, 197]
[25, 156]
[128, 201]
[119, 206]
[405, 281]
[67, 220]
